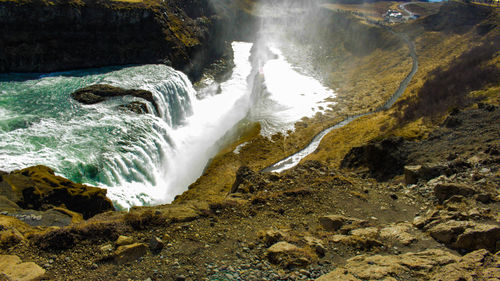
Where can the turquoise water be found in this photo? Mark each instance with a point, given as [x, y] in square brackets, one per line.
[144, 159]
[96, 144]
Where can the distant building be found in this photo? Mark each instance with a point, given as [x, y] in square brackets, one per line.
[393, 16]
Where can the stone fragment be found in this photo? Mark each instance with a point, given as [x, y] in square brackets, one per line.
[411, 173]
[338, 274]
[384, 267]
[13, 268]
[356, 241]
[288, 255]
[336, 222]
[316, 244]
[399, 233]
[106, 248]
[469, 267]
[414, 173]
[156, 244]
[448, 231]
[444, 191]
[129, 253]
[124, 240]
[269, 237]
[367, 232]
[480, 236]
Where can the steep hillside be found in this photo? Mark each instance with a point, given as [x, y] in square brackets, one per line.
[409, 193]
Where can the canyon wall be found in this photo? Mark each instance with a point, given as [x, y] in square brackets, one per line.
[46, 36]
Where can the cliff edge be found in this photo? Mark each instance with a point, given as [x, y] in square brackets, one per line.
[47, 36]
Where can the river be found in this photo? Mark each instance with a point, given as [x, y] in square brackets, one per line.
[143, 159]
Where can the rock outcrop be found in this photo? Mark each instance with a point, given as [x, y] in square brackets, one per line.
[384, 159]
[38, 188]
[12, 268]
[288, 255]
[100, 92]
[424, 265]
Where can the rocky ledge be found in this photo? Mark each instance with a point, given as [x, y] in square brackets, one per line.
[100, 92]
[37, 188]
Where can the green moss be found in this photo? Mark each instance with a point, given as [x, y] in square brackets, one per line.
[181, 31]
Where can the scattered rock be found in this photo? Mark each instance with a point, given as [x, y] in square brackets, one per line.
[156, 244]
[357, 242]
[106, 248]
[448, 231]
[128, 253]
[316, 244]
[367, 232]
[270, 237]
[336, 222]
[124, 240]
[378, 267]
[13, 268]
[476, 264]
[445, 191]
[414, 173]
[480, 236]
[399, 233]
[467, 235]
[288, 255]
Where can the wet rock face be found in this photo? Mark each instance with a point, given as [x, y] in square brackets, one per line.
[39, 188]
[98, 93]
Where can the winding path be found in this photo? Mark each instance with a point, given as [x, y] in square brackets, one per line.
[294, 159]
[403, 7]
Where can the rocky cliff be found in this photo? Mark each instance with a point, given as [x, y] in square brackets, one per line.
[46, 36]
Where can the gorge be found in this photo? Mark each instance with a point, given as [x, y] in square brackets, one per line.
[248, 140]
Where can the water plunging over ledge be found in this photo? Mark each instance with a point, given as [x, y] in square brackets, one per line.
[147, 159]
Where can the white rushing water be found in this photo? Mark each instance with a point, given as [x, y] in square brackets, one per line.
[288, 95]
[148, 159]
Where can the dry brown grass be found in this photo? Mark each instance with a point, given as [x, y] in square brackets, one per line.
[364, 83]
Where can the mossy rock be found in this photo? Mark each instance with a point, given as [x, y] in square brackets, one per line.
[39, 188]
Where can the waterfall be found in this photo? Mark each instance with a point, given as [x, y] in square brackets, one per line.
[144, 159]
[141, 159]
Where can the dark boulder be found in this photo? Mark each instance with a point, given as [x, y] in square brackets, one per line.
[100, 92]
[384, 159]
[247, 181]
